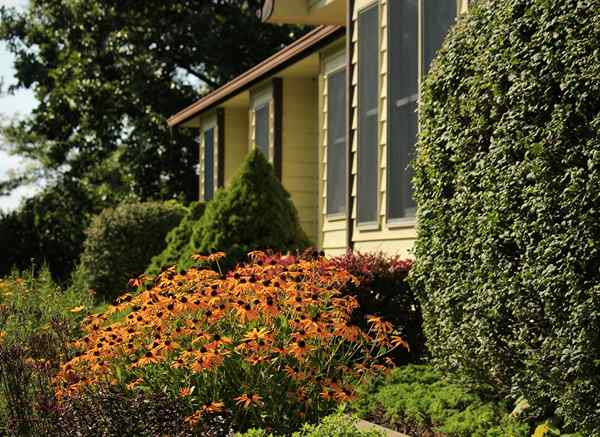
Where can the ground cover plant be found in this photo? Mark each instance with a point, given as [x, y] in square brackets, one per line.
[121, 242]
[507, 178]
[269, 343]
[336, 425]
[418, 400]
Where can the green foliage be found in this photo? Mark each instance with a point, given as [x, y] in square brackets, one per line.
[419, 399]
[507, 178]
[177, 241]
[31, 303]
[336, 425]
[121, 242]
[254, 212]
[38, 320]
[48, 228]
[108, 73]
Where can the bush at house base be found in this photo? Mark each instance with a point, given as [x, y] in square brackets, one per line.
[255, 212]
[507, 181]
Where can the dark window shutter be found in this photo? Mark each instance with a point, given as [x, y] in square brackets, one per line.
[403, 92]
[209, 163]
[368, 116]
[261, 128]
[336, 142]
[438, 17]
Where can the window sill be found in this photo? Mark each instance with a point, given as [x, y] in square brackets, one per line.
[368, 226]
[405, 222]
[338, 216]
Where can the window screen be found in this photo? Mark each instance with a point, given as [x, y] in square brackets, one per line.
[403, 93]
[209, 163]
[336, 142]
[438, 17]
[261, 128]
[368, 98]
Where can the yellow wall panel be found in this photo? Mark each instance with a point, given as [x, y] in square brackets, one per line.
[236, 140]
[300, 166]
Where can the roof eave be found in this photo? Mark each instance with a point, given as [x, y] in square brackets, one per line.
[304, 46]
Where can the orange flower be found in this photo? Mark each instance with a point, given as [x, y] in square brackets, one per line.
[139, 281]
[193, 420]
[399, 341]
[213, 407]
[149, 358]
[300, 349]
[257, 334]
[216, 256]
[186, 391]
[249, 400]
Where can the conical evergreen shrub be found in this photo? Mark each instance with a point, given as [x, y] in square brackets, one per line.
[255, 212]
[178, 240]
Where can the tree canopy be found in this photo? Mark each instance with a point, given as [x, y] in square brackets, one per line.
[108, 73]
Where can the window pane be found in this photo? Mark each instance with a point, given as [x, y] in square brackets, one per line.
[401, 152]
[336, 142]
[261, 129]
[403, 92]
[438, 17]
[209, 163]
[368, 97]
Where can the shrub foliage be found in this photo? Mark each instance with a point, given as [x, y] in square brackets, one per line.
[178, 240]
[121, 242]
[507, 179]
[272, 342]
[254, 213]
[48, 228]
[383, 290]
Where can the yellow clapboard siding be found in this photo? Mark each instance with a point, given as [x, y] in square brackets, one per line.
[334, 239]
[236, 141]
[408, 232]
[391, 247]
[331, 252]
[300, 168]
[305, 199]
[334, 225]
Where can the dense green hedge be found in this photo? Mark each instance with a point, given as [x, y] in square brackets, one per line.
[121, 242]
[178, 240]
[254, 212]
[508, 186]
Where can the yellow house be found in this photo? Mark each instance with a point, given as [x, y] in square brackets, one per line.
[336, 113]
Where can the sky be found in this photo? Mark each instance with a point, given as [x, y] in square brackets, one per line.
[19, 104]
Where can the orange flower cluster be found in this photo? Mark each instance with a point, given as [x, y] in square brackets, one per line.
[277, 325]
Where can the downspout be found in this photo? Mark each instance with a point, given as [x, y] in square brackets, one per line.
[349, 120]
